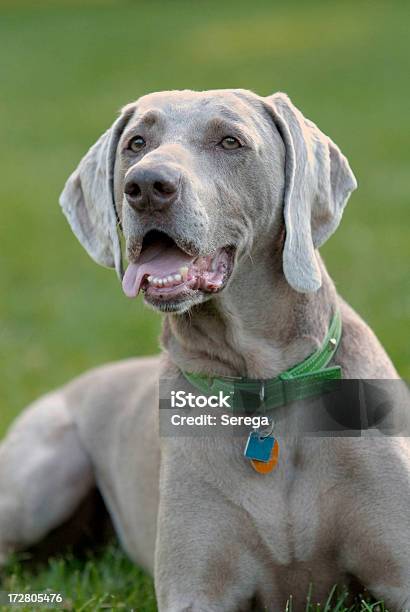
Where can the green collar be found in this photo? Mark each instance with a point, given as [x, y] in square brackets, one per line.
[306, 379]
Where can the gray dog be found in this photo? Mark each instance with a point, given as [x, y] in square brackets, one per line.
[223, 198]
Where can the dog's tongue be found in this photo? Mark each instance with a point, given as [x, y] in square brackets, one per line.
[156, 260]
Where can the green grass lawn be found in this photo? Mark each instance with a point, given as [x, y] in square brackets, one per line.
[110, 581]
[65, 69]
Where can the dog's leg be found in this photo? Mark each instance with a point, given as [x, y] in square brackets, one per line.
[376, 519]
[44, 474]
[208, 555]
[396, 596]
[200, 569]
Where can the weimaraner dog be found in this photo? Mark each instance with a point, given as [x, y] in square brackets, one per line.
[223, 198]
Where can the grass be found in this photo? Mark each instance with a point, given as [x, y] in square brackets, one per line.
[98, 582]
[110, 581]
[67, 67]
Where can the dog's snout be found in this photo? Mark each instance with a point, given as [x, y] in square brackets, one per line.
[155, 188]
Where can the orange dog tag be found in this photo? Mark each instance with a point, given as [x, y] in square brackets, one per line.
[264, 467]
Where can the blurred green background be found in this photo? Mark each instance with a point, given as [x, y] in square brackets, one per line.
[67, 67]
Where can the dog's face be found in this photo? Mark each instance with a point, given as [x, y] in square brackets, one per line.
[198, 176]
[198, 181]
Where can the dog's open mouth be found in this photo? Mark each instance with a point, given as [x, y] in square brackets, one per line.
[164, 271]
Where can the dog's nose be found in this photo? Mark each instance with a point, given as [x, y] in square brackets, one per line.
[155, 188]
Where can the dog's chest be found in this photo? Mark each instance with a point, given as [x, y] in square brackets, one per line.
[283, 512]
[286, 508]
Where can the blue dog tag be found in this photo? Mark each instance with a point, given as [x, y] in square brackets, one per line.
[259, 447]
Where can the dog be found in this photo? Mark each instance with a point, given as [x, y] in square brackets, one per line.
[223, 198]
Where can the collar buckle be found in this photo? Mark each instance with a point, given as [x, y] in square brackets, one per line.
[262, 393]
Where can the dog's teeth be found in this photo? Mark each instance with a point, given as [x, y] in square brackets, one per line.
[184, 272]
[168, 280]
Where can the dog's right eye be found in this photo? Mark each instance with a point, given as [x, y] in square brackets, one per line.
[229, 143]
[136, 144]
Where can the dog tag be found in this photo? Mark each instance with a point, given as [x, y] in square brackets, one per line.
[264, 467]
[259, 447]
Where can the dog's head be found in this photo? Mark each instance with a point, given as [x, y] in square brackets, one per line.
[199, 180]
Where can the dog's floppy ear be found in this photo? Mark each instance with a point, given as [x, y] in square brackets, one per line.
[88, 199]
[318, 183]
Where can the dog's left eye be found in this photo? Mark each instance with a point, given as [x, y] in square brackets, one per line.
[136, 144]
[229, 143]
